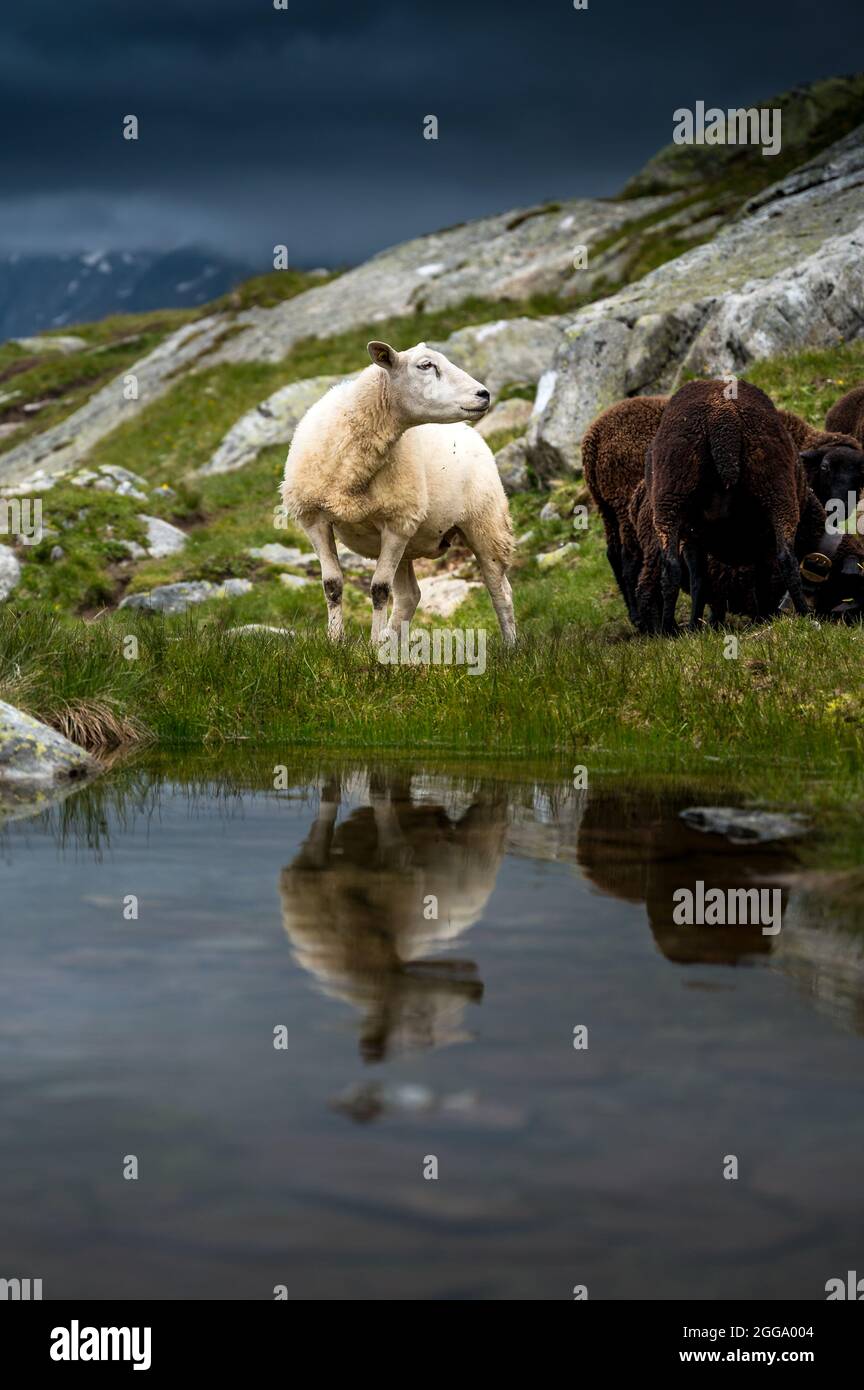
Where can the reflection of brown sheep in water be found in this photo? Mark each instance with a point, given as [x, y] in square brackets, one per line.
[353, 904]
[637, 848]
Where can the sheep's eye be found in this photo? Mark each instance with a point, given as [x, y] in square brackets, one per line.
[425, 366]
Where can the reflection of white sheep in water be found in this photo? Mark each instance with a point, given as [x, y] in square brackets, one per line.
[382, 462]
[356, 908]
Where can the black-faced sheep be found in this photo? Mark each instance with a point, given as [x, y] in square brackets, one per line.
[833, 462]
[613, 460]
[847, 414]
[725, 482]
[832, 574]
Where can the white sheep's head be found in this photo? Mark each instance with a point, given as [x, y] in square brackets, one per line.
[426, 389]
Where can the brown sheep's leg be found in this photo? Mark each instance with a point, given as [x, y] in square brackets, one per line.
[768, 585]
[719, 609]
[631, 564]
[670, 583]
[792, 576]
[698, 569]
[620, 563]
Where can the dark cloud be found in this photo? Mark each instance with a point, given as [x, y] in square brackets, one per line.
[304, 126]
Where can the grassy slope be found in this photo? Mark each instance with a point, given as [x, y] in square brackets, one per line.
[580, 684]
[65, 383]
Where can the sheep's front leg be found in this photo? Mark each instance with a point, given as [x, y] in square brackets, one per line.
[320, 533]
[791, 573]
[389, 559]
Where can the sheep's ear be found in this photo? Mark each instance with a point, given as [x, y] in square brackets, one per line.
[383, 355]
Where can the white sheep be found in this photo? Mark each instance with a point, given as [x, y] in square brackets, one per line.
[381, 462]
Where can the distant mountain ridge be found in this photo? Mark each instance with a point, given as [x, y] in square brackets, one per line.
[41, 292]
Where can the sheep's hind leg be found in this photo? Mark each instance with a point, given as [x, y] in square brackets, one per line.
[631, 565]
[406, 594]
[698, 570]
[495, 578]
[320, 533]
[389, 559]
[670, 584]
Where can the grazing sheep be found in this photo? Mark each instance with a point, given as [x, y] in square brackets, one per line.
[834, 467]
[833, 576]
[833, 461]
[613, 460]
[847, 414]
[724, 481]
[729, 588]
[801, 431]
[381, 462]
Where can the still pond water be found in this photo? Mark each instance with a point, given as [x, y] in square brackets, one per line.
[305, 917]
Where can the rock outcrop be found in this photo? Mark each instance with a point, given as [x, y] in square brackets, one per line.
[272, 422]
[31, 752]
[177, 598]
[512, 256]
[10, 571]
[788, 273]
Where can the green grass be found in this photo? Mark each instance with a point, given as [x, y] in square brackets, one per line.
[810, 382]
[791, 701]
[830, 109]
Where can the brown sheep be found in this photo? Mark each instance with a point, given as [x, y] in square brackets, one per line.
[733, 589]
[833, 462]
[613, 460]
[847, 414]
[833, 576]
[725, 481]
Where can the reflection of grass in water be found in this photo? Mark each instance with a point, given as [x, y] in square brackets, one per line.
[217, 781]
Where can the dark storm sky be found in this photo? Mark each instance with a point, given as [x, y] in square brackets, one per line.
[304, 126]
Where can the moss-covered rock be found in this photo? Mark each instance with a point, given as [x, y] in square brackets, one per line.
[32, 752]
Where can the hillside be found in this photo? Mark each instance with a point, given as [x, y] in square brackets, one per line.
[686, 274]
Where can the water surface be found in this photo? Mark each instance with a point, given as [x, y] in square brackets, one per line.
[424, 944]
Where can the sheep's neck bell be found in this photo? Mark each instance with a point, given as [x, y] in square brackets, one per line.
[815, 568]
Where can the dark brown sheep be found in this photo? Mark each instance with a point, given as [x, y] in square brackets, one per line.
[725, 482]
[834, 468]
[833, 462]
[800, 430]
[613, 460]
[833, 576]
[733, 589]
[847, 414]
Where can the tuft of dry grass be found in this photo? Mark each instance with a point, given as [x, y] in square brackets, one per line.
[97, 725]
